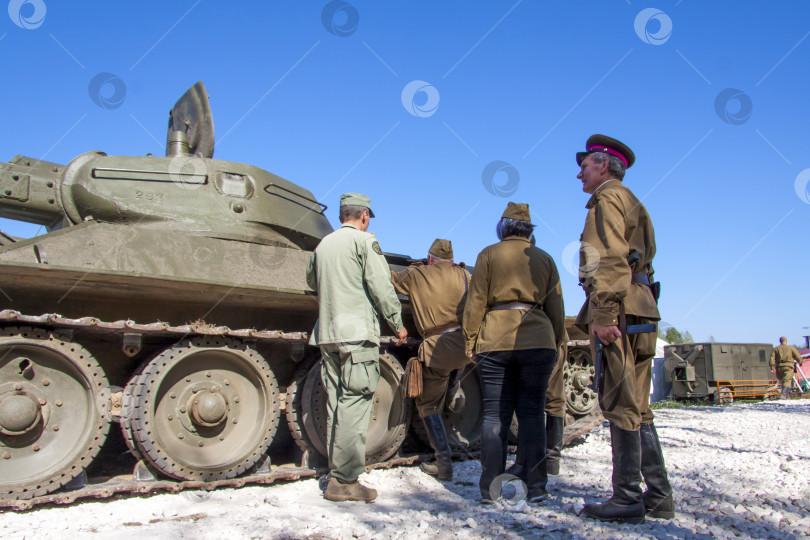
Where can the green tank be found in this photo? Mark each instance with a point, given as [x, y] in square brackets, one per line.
[168, 296]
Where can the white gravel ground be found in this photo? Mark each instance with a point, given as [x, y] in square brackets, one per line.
[737, 471]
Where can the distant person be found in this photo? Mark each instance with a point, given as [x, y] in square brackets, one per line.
[513, 320]
[437, 293]
[353, 281]
[616, 253]
[782, 359]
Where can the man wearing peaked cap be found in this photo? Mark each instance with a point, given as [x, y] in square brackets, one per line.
[437, 293]
[610, 146]
[351, 276]
[616, 253]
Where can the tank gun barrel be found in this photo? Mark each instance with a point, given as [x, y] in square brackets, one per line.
[29, 191]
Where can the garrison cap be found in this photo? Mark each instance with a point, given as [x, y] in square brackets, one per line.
[519, 211]
[442, 249]
[608, 145]
[356, 199]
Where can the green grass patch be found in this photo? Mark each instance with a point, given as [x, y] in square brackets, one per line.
[681, 403]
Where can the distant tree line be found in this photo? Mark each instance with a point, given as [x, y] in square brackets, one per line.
[670, 334]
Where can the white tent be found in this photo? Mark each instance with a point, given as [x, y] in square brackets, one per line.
[659, 387]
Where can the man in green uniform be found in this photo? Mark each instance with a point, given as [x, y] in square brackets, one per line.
[782, 359]
[437, 292]
[616, 253]
[353, 282]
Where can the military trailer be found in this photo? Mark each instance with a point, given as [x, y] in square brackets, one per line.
[722, 371]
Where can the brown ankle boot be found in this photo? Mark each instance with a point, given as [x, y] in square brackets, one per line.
[338, 492]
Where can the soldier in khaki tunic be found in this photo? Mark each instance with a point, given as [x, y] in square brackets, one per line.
[513, 321]
[437, 292]
[618, 231]
[353, 281]
[782, 359]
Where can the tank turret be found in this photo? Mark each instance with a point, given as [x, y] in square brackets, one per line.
[187, 188]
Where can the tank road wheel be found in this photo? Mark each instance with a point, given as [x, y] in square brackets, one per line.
[130, 398]
[206, 409]
[390, 412]
[297, 415]
[463, 425]
[578, 374]
[54, 412]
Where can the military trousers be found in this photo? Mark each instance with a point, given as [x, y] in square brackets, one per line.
[440, 356]
[625, 397]
[785, 374]
[555, 395]
[350, 378]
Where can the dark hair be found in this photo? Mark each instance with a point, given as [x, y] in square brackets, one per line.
[615, 165]
[513, 227]
[352, 212]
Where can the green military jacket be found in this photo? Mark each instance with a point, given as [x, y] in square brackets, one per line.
[784, 355]
[617, 224]
[513, 270]
[353, 281]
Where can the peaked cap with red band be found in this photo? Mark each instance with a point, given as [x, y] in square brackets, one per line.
[607, 145]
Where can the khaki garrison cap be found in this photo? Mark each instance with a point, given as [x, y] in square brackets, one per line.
[356, 199]
[519, 211]
[442, 249]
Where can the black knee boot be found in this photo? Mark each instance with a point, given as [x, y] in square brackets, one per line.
[658, 497]
[554, 439]
[626, 505]
[442, 468]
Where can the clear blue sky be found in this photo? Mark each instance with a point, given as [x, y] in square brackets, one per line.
[524, 83]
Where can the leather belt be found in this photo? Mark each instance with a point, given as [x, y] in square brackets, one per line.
[439, 330]
[644, 279]
[511, 305]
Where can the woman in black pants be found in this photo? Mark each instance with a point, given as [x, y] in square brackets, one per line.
[513, 321]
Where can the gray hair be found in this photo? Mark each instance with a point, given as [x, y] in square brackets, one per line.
[615, 165]
[513, 227]
[438, 259]
[351, 212]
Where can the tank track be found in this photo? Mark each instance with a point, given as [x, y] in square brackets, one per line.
[130, 485]
[161, 328]
[124, 485]
[54, 322]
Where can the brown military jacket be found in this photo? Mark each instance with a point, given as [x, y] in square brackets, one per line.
[437, 294]
[617, 224]
[785, 355]
[513, 270]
